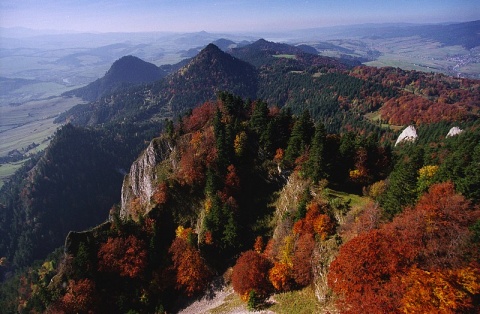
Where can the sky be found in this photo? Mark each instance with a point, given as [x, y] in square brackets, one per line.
[225, 16]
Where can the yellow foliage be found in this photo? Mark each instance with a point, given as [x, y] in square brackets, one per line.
[427, 172]
[286, 253]
[377, 189]
[355, 174]
[207, 205]
[179, 231]
[239, 143]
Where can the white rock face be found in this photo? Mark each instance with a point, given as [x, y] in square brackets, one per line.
[408, 135]
[141, 182]
[454, 131]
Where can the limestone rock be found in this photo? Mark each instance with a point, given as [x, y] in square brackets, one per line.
[140, 183]
[407, 135]
[454, 131]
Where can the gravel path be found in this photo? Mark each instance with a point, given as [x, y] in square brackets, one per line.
[214, 299]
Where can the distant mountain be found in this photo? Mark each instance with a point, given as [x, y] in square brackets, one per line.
[466, 34]
[126, 71]
[262, 52]
[211, 71]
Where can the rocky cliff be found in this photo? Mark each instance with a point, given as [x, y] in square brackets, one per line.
[140, 183]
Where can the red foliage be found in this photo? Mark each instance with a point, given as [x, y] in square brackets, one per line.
[128, 257]
[302, 260]
[80, 297]
[408, 108]
[196, 155]
[192, 274]
[364, 272]
[251, 273]
[160, 196]
[199, 117]
[232, 182]
[370, 269]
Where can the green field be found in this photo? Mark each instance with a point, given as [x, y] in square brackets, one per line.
[31, 122]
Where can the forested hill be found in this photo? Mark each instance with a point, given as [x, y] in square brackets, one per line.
[241, 189]
[200, 79]
[123, 73]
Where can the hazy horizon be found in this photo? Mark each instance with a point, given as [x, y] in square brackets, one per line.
[224, 16]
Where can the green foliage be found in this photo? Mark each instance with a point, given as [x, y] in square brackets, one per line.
[300, 138]
[316, 167]
[402, 186]
[252, 302]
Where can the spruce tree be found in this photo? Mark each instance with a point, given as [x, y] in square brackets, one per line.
[315, 167]
[300, 138]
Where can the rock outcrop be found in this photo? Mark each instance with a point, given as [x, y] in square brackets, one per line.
[140, 184]
[407, 135]
[454, 131]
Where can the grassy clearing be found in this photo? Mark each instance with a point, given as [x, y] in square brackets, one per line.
[299, 302]
[230, 303]
[355, 200]
[6, 170]
[376, 116]
[285, 56]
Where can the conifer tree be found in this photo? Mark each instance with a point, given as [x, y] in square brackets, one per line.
[300, 138]
[402, 188]
[315, 167]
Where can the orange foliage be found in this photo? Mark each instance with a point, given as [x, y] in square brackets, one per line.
[280, 277]
[128, 257]
[279, 155]
[192, 274]
[323, 226]
[258, 245]
[208, 238]
[251, 273]
[315, 222]
[441, 291]
[160, 196]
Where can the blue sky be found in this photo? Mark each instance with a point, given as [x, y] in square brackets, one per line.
[228, 15]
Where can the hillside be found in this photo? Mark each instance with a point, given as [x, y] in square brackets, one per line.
[123, 73]
[221, 190]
